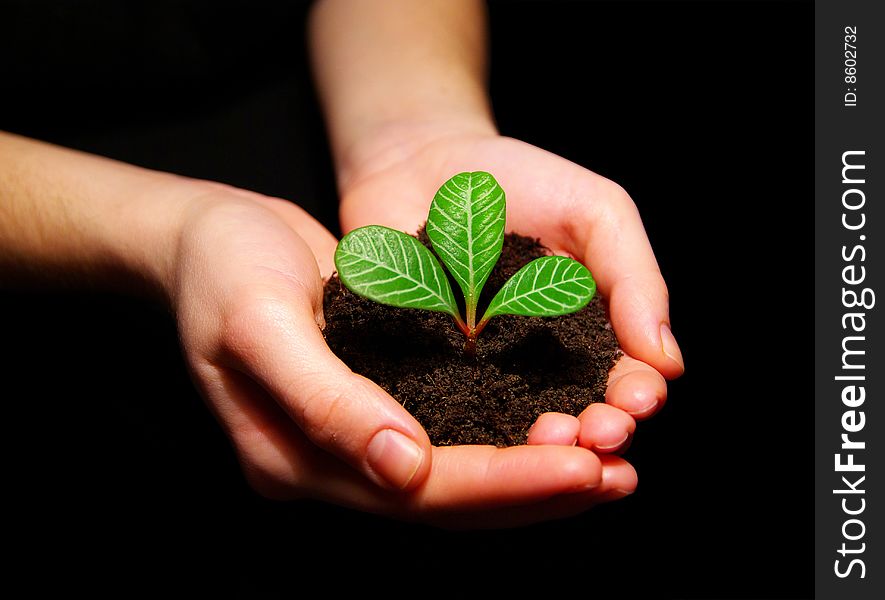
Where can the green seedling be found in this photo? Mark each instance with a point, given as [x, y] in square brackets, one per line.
[466, 229]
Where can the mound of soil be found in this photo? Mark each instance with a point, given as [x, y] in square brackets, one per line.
[524, 366]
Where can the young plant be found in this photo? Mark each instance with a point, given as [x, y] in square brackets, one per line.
[466, 229]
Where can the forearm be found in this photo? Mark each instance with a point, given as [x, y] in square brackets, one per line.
[395, 72]
[68, 215]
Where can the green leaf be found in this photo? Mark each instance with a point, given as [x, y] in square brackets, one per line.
[466, 228]
[393, 268]
[546, 287]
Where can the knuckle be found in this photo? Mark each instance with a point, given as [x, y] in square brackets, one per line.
[617, 193]
[323, 413]
[655, 287]
[602, 200]
[612, 198]
[612, 192]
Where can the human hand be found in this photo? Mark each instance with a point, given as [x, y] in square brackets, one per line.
[247, 293]
[574, 212]
[241, 273]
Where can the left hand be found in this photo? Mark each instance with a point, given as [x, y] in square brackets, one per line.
[574, 212]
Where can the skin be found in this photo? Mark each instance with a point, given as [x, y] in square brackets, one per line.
[403, 122]
[241, 274]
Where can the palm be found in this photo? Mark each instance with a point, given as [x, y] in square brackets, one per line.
[561, 203]
[539, 186]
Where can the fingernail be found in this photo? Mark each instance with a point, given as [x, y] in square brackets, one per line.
[670, 347]
[620, 493]
[613, 446]
[394, 457]
[586, 486]
[642, 405]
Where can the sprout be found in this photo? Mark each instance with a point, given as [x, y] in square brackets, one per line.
[466, 229]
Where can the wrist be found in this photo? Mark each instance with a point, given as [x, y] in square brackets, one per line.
[144, 242]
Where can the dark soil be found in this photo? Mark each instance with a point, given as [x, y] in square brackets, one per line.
[524, 366]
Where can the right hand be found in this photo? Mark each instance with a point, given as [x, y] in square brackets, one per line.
[247, 291]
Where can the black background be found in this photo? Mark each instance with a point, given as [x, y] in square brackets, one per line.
[117, 480]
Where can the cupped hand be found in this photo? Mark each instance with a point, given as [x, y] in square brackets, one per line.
[247, 293]
[574, 212]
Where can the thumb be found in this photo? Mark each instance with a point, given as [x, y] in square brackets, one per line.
[614, 246]
[639, 311]
[339, 411]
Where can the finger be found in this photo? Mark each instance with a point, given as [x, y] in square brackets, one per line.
[465, 481]
[604, 428]
[279, 344]
[636, 388]
[610, 239]
[618, 481]
[474, 477]
[554, 429]
[469, 486]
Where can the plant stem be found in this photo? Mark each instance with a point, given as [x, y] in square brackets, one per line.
[470, 305]
[461, 325]
[478, 329]
[470, 346]
[472, 334]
